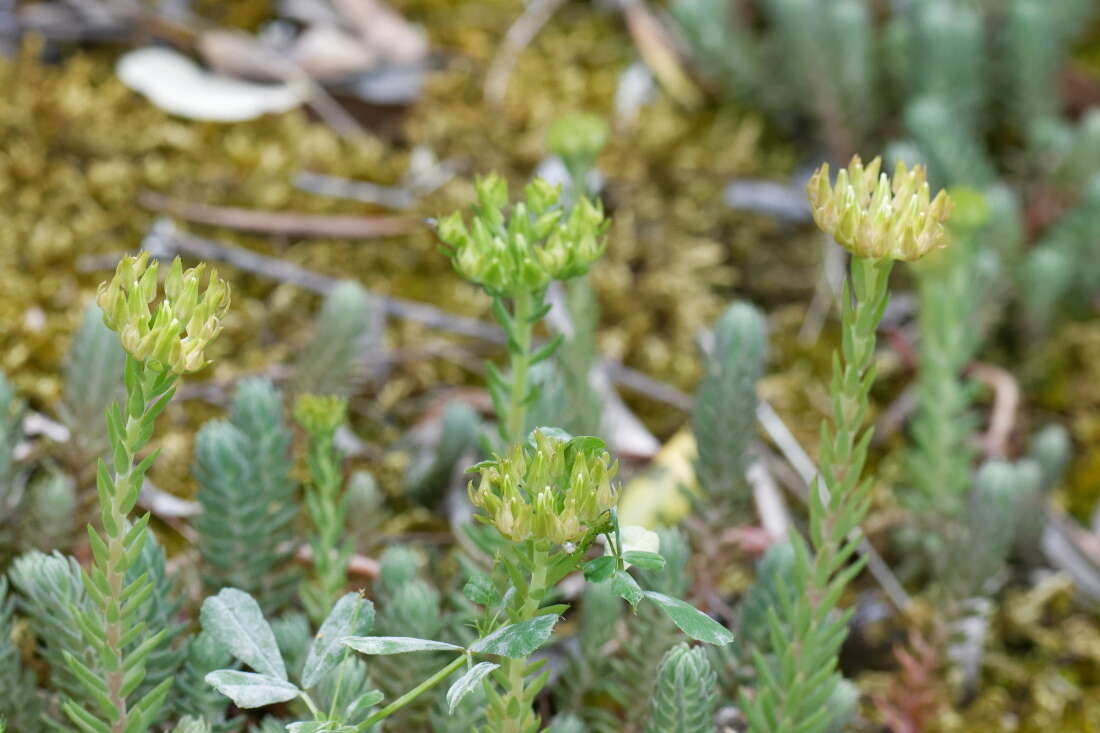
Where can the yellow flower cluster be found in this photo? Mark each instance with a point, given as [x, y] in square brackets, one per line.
[555, 490]
[187, 319]
[320, 414]
[876, 218]
[531, 246]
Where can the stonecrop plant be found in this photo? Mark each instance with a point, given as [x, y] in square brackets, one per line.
[165, 331]
[879, 220]
[474, 644]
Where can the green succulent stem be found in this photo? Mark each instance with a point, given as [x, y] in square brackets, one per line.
[791, 693]
[518, 716]
[524, 306]
[117, 598]
[327, 510]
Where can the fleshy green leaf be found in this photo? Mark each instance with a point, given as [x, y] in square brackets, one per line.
[467, 683]
[599, 569]
[350, 614]
[480, 590]
[626, 587]
[691, 620]
[644, 560]
[396, 645]
[234, 619]
[250, 690]
[517, 640]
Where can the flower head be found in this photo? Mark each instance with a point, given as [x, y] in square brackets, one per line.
[526, 247]
[175, 332]
[320, 415]
[554, 488]
[877, 218]
[577, 138]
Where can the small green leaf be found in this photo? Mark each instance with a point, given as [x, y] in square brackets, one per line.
[467, 683]
[550, 432]
[599, 569]
[517, 640]
[691, 620]
[250, 690]
[481, 590]
[626, 587]
[351, 614]
[235, 620]
[396, 645]
[644, 560]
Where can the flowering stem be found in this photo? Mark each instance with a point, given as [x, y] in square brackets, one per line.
[523, 310]
[327, 511]
[838, 502]
[114, 609]
[515, 714]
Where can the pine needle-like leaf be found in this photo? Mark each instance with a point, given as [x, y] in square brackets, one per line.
[20, 704]
[344, 333]
[685, 695]
[246, 528]
[724, 415]
[93, 371]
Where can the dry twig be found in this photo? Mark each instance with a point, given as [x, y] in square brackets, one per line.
[276, 222]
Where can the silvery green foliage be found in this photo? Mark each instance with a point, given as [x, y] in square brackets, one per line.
[366, 505]
[409, 606]
[1047, 277]
[577, 358]
[586, 668]
[989, 525]
[292, 635]
[1035, 49]
[12, 489]
[20, 704]
[954, 153]
[94, 367]
[328, 675]
[685, 695]
[1050, 453]
[724, 415]
[193, 696]
[1062, 263]
[246, 533]
[430, 474]
[567, 723]
[51, 597]
[939, 462]
[52, 511]
[822, 54]
[1081, 158]
[333, 362]
[1004, 232]
[190, 724]
[1052, 449]
[723, 45]
[939, 48]
[633, 671]
[775, 571]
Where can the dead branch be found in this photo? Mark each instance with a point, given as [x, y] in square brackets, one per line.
[276, 222]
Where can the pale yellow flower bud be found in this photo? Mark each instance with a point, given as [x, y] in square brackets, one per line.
[127, 299]
[875, 217]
